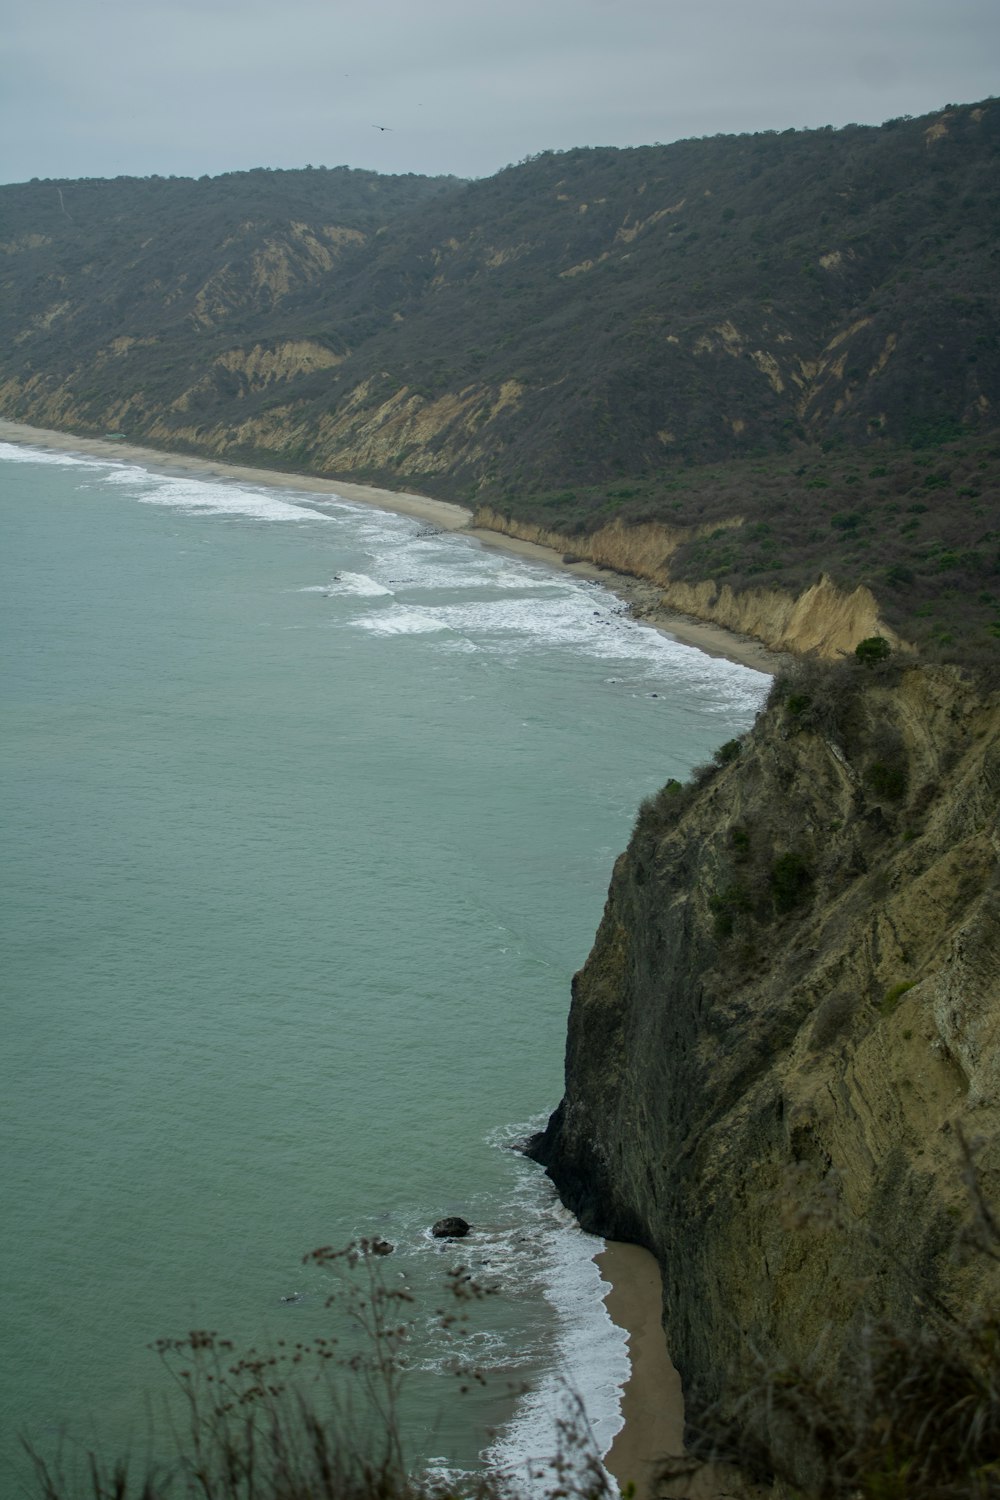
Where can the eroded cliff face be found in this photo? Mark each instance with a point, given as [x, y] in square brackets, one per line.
[790, 1015]
[823, 619]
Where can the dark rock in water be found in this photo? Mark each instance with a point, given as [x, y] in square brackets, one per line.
[379, 1246]
[450, 1229]
[294, 1297]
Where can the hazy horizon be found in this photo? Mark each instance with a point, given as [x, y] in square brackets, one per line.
[107, 88]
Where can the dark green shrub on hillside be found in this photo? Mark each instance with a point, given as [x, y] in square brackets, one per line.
[726, 904]
[739, 838]
[727, 753]
[791, 882]
[888, 780]
[876, 648]
[892, 996]
[822, 698]
[664, 808]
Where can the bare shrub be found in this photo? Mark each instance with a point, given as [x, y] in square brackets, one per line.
[319, 1420]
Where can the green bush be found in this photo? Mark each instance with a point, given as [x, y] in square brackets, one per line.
[874, 649]
[726, 904]
[727, 753]
[739, 837]
[888, 780]
[662, 810]
[892, 997]
[790, 881]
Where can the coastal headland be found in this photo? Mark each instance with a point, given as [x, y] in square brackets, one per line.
[748, 384]
[781, 1067]
[785, 1028]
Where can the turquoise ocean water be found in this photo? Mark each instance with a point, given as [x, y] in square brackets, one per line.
[308, 816]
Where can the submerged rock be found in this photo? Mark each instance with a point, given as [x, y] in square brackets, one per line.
[452, 1228]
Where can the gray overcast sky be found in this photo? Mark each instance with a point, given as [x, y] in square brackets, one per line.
[94, 88]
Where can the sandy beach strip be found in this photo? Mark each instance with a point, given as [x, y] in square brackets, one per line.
[652, 1403]
[643, 598]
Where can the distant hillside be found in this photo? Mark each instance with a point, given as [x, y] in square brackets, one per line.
[776, 333]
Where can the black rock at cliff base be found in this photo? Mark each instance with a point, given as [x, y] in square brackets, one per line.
[584, 1188]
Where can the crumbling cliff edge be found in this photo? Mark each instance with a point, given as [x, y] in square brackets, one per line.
[822, 619]
[790, 1019]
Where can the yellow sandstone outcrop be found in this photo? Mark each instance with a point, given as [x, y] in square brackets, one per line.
[824, 619]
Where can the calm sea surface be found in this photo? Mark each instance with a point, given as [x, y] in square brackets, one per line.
[308, 816]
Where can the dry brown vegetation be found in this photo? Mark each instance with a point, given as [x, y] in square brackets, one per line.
[319, 1420]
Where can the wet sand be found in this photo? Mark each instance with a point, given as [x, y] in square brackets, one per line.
[642, 598]
[652, 1403]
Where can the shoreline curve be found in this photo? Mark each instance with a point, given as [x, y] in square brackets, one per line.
[643, 599]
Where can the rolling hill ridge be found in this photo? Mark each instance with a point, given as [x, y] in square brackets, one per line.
[786, 344]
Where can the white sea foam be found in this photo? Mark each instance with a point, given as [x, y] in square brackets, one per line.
[538, 609]
[447, 562]
[401, 621]
[577, 619]
[527, 1247]
[552, 610]
[207, 497]
[182, 492]
[587, 1364]
[16, 454]
[538, 1248]
[357, 583]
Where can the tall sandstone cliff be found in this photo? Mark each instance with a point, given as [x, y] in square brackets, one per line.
[789, 1021]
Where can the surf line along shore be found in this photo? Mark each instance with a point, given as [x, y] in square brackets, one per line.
[652, 1404]
[641, 597]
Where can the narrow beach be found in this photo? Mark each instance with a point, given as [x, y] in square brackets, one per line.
[652, 1403]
